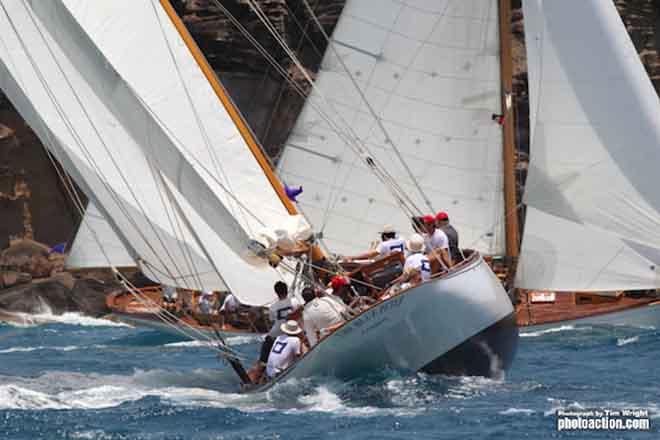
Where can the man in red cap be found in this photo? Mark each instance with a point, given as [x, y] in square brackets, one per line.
[442, 223]
[436, 241]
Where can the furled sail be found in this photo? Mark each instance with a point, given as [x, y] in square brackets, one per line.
[130, 145]
[593, 207]
[430, 72]
[97, 244]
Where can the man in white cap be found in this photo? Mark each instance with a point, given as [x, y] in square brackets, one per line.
[389, 243]
[286, 349]
[417, 259]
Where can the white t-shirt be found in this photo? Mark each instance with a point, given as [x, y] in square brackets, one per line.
[231, 303]
[421, 262]
[437, 240]
[279, 313]
[392, 245]
[285, 350]
[319, 314]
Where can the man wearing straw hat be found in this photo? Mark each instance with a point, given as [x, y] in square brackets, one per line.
[417, 259]
[286, 349]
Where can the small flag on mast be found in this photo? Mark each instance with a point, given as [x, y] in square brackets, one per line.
[292, 193]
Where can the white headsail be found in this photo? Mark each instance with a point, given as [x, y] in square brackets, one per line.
[430, 72]
[97, 244]
[593, 205]
[143, 146]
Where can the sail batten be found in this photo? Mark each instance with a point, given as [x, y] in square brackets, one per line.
[428, 79]
[595, 145]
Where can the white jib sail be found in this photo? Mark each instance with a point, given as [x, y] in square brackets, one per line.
[121, 154]
[97, 244]
[593, 216]
[430, 71]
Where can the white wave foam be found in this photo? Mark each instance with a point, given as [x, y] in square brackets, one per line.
[512, 411]
[19, 319]
[41, 347]
[189, 344]
[562, 328]
[242, 339]
[469, 387]
[326, 401]
[625, 341]
[232, 340]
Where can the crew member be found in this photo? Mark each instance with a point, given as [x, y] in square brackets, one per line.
[170, 296]
[389, 243]
[340, 288]
[417, 259]
[230, 304]
[320, 315]
[286, 349]
[279, 313]
[442, 223]
[436, 242]
[205, 302]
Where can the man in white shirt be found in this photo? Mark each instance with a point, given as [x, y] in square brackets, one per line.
[231, 304]
[280, 310]
[436, 241]
[417, 259]
[321, 315]
[389, 243]
[286, 349]
[279, 313]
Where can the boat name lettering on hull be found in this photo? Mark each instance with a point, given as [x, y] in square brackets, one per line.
[374, 317]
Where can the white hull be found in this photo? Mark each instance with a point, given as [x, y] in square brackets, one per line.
[416, 329]
[643, 316]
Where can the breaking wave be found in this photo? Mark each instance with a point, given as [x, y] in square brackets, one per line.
[625, 341]
[515, 411]
[563, 328]
[41, 347]
[231, 340]
[18, 319]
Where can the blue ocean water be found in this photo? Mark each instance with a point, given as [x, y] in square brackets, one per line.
[82, 378]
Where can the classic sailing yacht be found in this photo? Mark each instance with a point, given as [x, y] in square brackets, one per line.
[128, 105]
[592, 226]
[561, 276]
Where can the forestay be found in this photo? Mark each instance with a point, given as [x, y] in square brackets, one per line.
[593, 216]
[96, 244]
[139, 171]
[430, 72]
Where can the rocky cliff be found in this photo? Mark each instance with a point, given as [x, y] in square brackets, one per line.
[33, 202]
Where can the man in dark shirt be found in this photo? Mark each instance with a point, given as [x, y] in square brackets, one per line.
[442, 222]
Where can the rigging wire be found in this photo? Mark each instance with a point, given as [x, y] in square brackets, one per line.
[364, 99]
[349, 139]
[200, 125]
[76, 198]
[74, 133]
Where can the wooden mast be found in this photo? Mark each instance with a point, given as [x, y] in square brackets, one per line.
[509, 153]
[233, 112]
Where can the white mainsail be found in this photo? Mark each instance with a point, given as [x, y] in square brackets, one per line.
[593, 207]
[97, 244]
[430, 71]
[140, 163]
